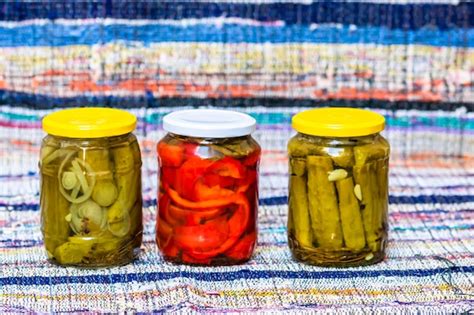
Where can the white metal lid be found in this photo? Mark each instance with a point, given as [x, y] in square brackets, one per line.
[209, 123]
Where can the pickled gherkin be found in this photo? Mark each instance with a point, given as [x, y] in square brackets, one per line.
[54, 209]
[338, 198]
[299, 204]
[351, 220]
[91, 200]
[326, 221]
[372, 215]
[105, 192]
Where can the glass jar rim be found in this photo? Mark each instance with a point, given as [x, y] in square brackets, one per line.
[89, 122]
[209, 123]
[338, 122]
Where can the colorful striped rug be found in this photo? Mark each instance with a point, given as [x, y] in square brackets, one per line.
[412, 61]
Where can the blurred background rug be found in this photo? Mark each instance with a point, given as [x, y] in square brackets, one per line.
[412, 61]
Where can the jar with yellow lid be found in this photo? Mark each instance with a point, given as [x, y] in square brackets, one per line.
[91, 204]
[338, 187]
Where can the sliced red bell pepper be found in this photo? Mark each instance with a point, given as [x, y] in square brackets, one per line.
[190, 149]
[253, 158]
[171, 250]
[203, 192]
[202, 237]
[217, 203]
[211, 179]
[164, 232]
[167, 245]
[186, 258]
[193, 217]
[243, 248]
[164, 239]
[237, 225]
[189, 173]
[245, 183]
[170, 155]
[164, 203]
[228, 166]
[168, 175]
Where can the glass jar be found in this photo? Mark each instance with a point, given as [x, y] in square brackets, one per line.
[208, 188]
[91, 203]
[338, 187]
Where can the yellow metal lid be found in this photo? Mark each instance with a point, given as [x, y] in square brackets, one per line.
[89, 122]
[338, 122]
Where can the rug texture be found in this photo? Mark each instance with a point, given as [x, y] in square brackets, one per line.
[412, 61]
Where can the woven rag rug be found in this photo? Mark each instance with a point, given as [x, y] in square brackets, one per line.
[412, 61]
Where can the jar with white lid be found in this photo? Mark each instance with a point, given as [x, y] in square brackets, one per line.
[208, 187]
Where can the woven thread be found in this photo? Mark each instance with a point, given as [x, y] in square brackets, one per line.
[413, 63]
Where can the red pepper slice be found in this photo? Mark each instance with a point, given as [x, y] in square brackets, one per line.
[171, 250]
[237, 225]
[170, 155]
[243, 248]
[186, 258]
[167, 245]
[228, 166]
[165, 241]
[203, 237]
[193, 217]
[253, 158]
[163, 210]
[204, 192]
[246, 182]
[164, 232]
[211, 179]
[189, 173]
[190, 149]
[168, 175]
[217, 203]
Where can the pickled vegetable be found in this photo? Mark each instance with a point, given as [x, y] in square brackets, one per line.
[54, 209]
[323, 206]
[351, 220]
[207, 199]
[91, 200]
[338, 199]
[298, 202]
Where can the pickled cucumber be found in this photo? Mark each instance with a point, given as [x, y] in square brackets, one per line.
[126, 179]
[342, 157]
[105, 191]
[369, 152]
[365, 177]
[73, 252]
[81, 183]
[324, 210]
[298, 202]
[301, 148]
[347, 197]
[352, 227]
[54, 209]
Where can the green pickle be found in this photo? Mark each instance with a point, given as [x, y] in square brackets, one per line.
[338, 199]
[91, 200]
[326, 221]
[299, 204]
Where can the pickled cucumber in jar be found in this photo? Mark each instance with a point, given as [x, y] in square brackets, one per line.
[338, 188]
[91, 204]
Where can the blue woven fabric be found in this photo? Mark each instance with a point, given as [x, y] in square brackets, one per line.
[411, 61]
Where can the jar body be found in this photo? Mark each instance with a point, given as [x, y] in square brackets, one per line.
[91, 203]
[207, 199]
[338, 199]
